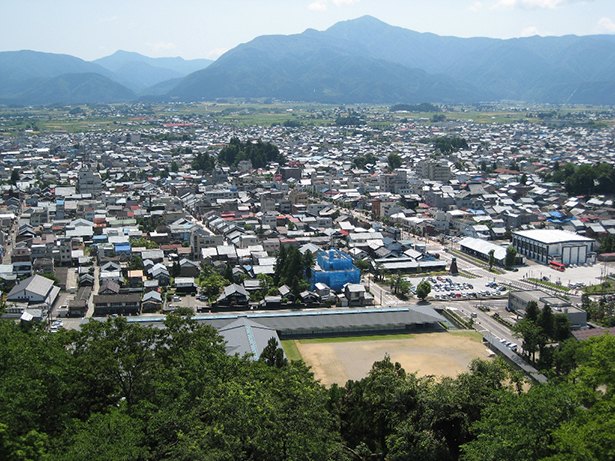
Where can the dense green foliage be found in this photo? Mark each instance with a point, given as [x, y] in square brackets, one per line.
[511, 256]
[349, 120]
[259, 153]
[293, 269]
[423, 289]
[607, 244]
[203, 162]
[394, 161]
[361, 160]
[585, 179]
[449, 144]
[539, 329]
[292, 124]
[601, 312]
[422, 107]
[122, 391]
[119, 391]
[142, 242]
[14, 176]
[400, 285]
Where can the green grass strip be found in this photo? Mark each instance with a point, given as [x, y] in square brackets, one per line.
[548, 284]
[291, 350]
[346, 339]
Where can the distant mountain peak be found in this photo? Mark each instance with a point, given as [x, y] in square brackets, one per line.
[367, 60]
[363, 22]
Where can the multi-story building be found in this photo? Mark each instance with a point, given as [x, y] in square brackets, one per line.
[89, 182]
[434, 170]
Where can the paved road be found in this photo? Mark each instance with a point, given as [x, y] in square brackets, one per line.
[382, 296]
[10, 244]
[483, 322]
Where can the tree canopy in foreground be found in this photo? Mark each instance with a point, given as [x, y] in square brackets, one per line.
[122, 391]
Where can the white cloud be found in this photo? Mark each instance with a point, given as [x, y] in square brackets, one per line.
[534, 4]
[606, 25]
[529, 31]
[476, 6]
[323, 5]
[318, 5]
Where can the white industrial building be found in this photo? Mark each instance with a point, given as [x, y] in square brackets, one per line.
[546, 245]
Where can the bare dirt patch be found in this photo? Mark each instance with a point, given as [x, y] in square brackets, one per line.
[437, 354]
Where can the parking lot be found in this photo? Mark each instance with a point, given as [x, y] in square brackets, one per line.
[194, 302]
[447, 288]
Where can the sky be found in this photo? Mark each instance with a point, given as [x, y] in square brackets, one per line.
[92, 29]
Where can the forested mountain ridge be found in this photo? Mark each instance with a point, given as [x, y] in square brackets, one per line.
[367, 60]
[357, 61]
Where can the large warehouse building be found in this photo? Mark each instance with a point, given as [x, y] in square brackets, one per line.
[546, 245]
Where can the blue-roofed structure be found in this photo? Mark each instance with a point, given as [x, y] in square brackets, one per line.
[335, 269]
[122, 248]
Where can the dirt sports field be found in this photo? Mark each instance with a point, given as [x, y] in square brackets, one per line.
[336, 360]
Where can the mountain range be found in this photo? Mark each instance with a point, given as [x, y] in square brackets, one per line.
[32, 77]
[360, 60]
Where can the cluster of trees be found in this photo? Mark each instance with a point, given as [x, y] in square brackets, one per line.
[584, 179]
[14, 176]
[539, 329]
[607, 244]
[293, 269]
[449, 144]
[485, 414]
[601, 312]
[511, 256]
[172, 137]
[400, 286]
[349, 120]
[485, 168]
[361, 160]
[142, 242]
[422, 107]
[122, 391]
[292, 124]
[509, 259]
[150, 223]
[181, 150]
[267, 288]
[423, 289]
[203, 162]
[213, 280]
[394, 161]
[259, 153]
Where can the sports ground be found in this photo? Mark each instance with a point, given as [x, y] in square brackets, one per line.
[338, 359]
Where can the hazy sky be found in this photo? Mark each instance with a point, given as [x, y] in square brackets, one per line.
[206, 28]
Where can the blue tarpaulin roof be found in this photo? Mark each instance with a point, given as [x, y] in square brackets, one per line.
[122, 247]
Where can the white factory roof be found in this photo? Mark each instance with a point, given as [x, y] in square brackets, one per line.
[552, 236]
[484, 247]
